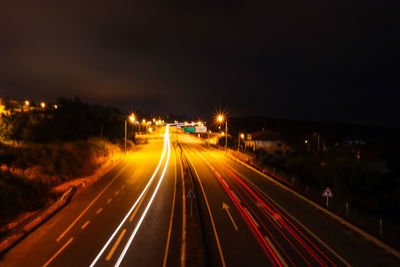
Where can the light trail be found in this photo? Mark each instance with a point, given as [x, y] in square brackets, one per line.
[249, 221]
[166, 146]
[281, 218]
[121, 257]
[256, 191]
[247, 190]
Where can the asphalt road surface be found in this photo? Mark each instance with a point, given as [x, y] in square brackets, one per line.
[136, 215]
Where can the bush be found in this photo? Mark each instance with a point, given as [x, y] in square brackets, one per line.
[18, 194]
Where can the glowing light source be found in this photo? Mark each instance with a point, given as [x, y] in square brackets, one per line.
[26, 103]
[132, 117]
[242, 135]
[43, 105]
[55, 106]
[220, 118]
[143, 121]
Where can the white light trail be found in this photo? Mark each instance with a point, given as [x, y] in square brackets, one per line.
[121, 257]
[166, 145]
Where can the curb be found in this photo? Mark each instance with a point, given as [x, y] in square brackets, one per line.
[335, 216]
[25, 228]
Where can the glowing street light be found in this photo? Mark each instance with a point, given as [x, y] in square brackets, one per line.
[132, 119]
[220, 119]
[240, 136]
[43, 105]
[308, 145]
[55, 106]
[143, 121]
[27, 103]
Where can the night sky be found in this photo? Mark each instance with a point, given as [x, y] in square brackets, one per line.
[316, 60]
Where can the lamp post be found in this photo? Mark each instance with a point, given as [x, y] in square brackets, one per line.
[132, 119]
[240, 136]
[221, 119]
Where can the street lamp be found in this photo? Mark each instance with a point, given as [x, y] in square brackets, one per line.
[132, 119]
[43, 105]
[308, 145]
[221, 119]
[240, 136]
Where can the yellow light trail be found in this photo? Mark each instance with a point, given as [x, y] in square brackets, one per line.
[121, 257]
[166, 145]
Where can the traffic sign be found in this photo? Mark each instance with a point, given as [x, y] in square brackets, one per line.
[191, 194]
[201, 129]
[327, 193]
[189, 129]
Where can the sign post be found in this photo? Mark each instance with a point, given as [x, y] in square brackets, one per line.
[191, 195]
[327, 194]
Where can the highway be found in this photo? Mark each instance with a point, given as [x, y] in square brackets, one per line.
[137, 214]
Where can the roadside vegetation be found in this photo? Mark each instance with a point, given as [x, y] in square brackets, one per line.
[41, 150]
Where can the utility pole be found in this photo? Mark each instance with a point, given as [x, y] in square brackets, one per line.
[238, 141]
[126, 122]
[226, 135]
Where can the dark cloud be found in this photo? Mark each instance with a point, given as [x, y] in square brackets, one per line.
[316, 60]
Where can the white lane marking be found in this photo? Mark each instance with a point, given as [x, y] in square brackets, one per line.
[226, 208]
[115, 245]
[283, 262]
[276, 217]
[91, 204]
[251, 217]
[58, 252]
[238, 199]
[85, 224]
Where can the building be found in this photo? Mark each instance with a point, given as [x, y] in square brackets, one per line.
[266, 140]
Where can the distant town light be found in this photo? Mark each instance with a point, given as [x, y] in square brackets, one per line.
[242, 135]
[55, 106]
[143, 121]
[306, 141]
[150, 129]
[132, 117]
[27, 103]
[43, 105]
[222, 133]
[220, 118]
